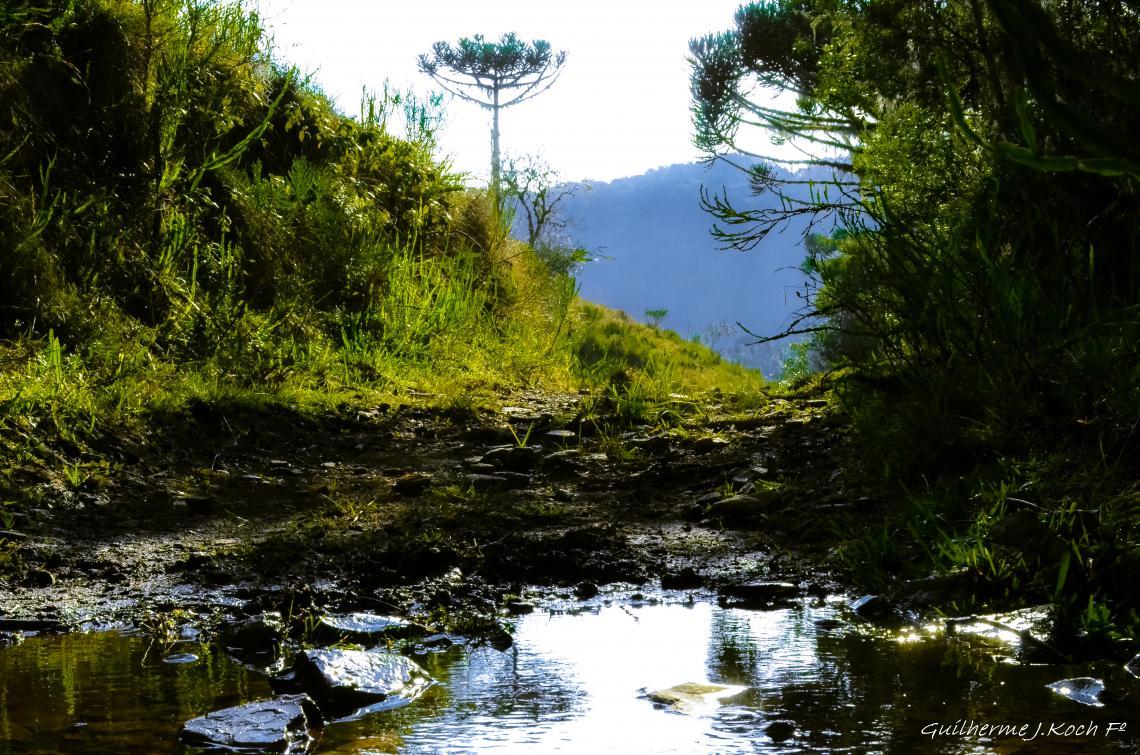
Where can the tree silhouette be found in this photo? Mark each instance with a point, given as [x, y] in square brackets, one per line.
[494, 75]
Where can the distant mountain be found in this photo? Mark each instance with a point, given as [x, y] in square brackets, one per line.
[655, 252]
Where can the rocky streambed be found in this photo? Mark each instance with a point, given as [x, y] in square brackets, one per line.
[552, 569]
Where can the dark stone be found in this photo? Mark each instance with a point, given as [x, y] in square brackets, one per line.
[514, 458]
[735, 508]
[567, 456]
[354, 678]
[200, 504]
[486, 482]
[437, 641]
[412, 484]
[519, 607]
[685, 579]
[563, 495]
[191, 561]
[39, 578]
[653, 444]
[585, 590]
[878, 610]
[781, 730]
[758, 595]
[280, 725]
[180, 658]
[256, 638]
[710, 444]
[562, 437]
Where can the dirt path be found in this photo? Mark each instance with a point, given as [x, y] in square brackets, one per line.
[224, 507]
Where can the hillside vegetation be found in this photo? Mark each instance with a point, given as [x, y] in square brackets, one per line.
[185, 220]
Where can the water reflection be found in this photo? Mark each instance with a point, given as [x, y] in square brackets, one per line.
[576, 683]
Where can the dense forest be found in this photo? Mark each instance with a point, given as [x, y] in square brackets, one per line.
[978, 300]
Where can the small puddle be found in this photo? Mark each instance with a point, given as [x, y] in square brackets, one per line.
[576, 682]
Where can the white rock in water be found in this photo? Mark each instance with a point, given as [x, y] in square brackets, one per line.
[359, 677]
[693, 696]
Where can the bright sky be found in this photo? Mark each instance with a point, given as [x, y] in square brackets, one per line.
[620, 107]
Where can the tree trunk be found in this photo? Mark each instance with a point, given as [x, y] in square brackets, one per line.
[495, 143]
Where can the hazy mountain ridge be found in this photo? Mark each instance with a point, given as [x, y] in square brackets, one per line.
[655, 251]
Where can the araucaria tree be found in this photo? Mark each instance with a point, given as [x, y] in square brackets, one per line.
[494, 75]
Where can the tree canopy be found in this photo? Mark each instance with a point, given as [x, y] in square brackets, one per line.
[494, 75]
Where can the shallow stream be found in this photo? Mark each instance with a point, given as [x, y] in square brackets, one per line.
[576, 682]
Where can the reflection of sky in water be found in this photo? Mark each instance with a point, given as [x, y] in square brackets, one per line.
[583, 676]
[573, 684]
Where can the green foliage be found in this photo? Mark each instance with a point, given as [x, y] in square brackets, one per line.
[979, 293]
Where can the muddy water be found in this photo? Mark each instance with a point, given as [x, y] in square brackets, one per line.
[574, 682]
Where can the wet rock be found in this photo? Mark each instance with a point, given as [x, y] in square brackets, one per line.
[1082, 689]
[29, 625]
[567, 456]
[438, 641]
[693, 696]
[710, 498]
[781, 730]
[354, 678]
[200, 504]
[412, 484]
[585, 590]
[279, 725]
[653, 444]
[684, 579]
[39, 578]
[561, 437]
[498, 481]
[758, 595]
[709, 444]
[735, 507]
[519, 607]
[192, 561]
[366, 628]
[180, 658]
[1133, 667]
[878, 610]
[257, 638]
[514, 458]
[562, 495]
[12, 537]
[563, 463]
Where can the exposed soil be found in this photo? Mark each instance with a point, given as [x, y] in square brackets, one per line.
[409, 509]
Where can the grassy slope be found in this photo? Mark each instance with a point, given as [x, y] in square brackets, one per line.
[186, 224]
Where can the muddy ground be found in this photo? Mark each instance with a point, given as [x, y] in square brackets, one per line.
[415, 510]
